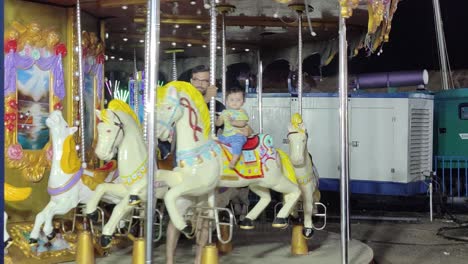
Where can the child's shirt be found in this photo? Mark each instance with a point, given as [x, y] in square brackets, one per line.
[237, 115]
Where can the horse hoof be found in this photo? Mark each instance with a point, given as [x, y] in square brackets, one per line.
[246, 224]
[32, 242]
[187, 231]
[94, 216]
[280, 222]
[106, 241]
[134, 200]
[8, 243]
[307, 233]
[51, 236]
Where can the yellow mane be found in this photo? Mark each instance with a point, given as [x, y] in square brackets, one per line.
[119, 105]
[70, 163]
[193, 95]
[296, 121]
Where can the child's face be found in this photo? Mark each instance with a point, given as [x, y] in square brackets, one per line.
[235, 100]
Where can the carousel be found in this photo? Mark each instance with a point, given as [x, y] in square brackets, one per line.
[86, 178]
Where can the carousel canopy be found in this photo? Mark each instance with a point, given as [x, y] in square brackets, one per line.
[269, 25]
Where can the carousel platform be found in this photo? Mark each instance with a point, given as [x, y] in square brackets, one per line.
[255, 247]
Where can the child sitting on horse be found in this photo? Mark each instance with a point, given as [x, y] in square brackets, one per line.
[234, 118]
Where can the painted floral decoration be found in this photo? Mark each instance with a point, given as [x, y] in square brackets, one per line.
[15, 152]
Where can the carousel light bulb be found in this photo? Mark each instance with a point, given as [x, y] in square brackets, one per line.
[21, 116]
[204, 46]
[124, 28]
[142, 40]
[77, 147]
[314, 34]
[198, 12]
[77, 98]
[120, 59]
[193, 2]
[112, 57]
[124, 7]
[173, 44]
[77, 122]
[189, 45]
[247, 50]
[107, 57]
[107, 35]
[176, 26]
[218, 47]
[199, 26]
[125, 39]
[233, 48]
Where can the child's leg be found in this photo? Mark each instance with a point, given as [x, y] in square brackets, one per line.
[234, 160]
[237, 142]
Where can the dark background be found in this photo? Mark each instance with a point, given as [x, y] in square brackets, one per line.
[413, 42]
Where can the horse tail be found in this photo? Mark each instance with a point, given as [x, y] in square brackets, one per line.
[15, 194]
[287, 167]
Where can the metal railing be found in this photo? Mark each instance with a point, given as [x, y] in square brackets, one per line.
[452, 175]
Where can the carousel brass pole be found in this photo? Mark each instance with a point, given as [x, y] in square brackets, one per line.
[210, 252]
[151, 68]
[80, 82]
[344, 140]
[260, 91]
[299, 63]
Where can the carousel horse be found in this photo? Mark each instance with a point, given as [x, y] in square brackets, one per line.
[306, 172]
[223, 197]
[12, 194]
[202, 163]
[67, 178]
[120, 132]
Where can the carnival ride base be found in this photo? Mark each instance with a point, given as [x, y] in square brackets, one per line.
[256, 247]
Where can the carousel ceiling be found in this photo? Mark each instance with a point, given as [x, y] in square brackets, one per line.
[185, 23]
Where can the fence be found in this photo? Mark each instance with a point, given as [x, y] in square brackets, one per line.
[452, 175]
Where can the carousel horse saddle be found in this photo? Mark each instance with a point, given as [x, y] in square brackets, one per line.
[256, 150]
[252, 143]
[99, 175]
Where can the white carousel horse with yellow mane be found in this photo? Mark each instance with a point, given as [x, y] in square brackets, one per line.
[203, 163]
[306, 172]
[120, 132]
[67, 178]
[12, 194]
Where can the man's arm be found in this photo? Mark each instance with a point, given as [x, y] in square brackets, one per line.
[211, 91]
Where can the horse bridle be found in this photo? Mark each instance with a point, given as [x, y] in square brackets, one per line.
[120, 125]
[296, 132]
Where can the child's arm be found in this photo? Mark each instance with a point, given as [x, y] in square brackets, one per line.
[239, 123]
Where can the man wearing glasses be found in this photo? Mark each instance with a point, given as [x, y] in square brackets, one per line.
[201, 80]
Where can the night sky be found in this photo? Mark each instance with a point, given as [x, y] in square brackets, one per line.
[413, 43]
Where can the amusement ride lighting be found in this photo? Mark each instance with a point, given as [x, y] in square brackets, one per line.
[247, 50]
[125, 39]
[124, 7]
[120, 59]
[193, 2]
[233, 48]
[142, 40]
[173, 44]
[204, 46]
[112, 57]
[199, 26]
[189, 45]
[176, 26]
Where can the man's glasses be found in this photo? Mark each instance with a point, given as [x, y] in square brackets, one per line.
[195, 80]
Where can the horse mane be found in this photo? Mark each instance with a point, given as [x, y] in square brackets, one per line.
[69, 162]
[296, 121]
[119, 105]
[193, 95]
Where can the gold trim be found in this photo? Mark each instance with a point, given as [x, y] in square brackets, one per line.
[229, 178]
